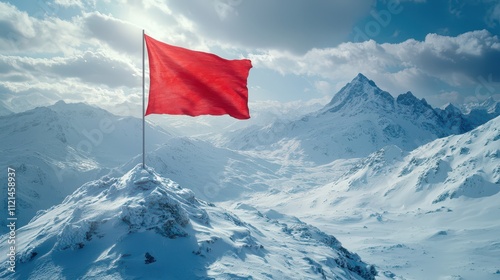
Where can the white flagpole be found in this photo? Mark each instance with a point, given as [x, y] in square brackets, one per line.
[143, 108]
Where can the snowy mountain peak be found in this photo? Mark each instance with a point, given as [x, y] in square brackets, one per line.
[144, 226]
[360, 78]
[415, 105]
[489, 105]
[452, 109]
[60, 103]
[360, 92]
[142, 200]
[407, 98]
[360, 119]
[74, 110]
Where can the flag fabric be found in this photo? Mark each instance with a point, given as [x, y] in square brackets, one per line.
[186, 82]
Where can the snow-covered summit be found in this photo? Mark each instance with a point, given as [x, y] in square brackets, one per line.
[359, 93]
[144, 226]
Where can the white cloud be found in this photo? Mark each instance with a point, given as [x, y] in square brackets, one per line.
[118, 34]
[21, 33]
[94, 78]
[426, 66]
[324, 87]
[87, 67]
[69, 3]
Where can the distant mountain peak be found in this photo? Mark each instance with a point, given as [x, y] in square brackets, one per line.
[418, 106]
[452, 109]
[488, 102]
[360, 90]
[409, 98]
[78, 108]
[66, 105]
[360, 78]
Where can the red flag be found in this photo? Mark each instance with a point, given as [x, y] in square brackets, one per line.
[186, 82]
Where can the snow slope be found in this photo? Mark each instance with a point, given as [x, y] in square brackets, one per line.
[143, 226]
[57, 148]
[431, 213]
[213, 174]
[360, 119]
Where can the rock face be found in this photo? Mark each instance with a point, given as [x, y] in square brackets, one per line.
[112, 228]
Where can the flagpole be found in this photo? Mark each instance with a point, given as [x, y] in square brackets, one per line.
[143, 109]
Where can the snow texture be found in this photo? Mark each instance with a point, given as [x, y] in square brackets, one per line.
[142, 225]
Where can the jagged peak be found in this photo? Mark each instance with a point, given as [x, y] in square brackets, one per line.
[64, 104]
[452, 109]
[409, 99]
[360, 78]
[78, 107]
[406, 98]
[360, 90]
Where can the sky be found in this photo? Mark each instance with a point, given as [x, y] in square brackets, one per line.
[303, 52]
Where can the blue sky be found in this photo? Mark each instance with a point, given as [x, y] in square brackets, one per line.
[76, 50]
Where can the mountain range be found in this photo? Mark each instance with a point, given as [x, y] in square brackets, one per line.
[360, 119]
[411, 188]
